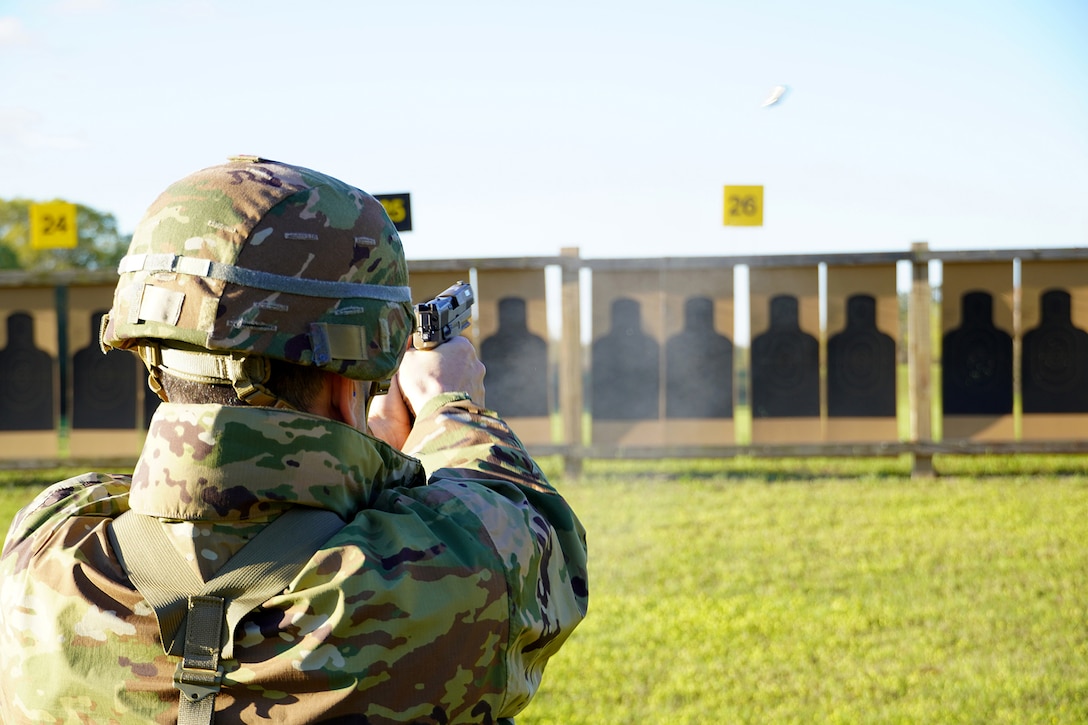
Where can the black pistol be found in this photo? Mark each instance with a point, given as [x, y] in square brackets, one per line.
[445, 316]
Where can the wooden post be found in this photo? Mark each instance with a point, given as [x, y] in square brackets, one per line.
[919, 358]
[570, 363]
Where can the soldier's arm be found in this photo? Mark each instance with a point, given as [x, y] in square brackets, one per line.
[480, 474]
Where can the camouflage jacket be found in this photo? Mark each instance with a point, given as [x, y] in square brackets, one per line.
[439, 601]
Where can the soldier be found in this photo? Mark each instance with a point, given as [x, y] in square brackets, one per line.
[269, 559]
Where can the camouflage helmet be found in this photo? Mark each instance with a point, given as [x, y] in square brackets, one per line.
[255, 260]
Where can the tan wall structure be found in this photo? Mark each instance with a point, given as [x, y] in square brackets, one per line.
[863, 343]
[1054, 349]
[512, 328]
[644, 357]
[624, 394]
[29, 373]
[662, 357]
[977, 331]
[106, 392]
[698, 373]
[784, 358]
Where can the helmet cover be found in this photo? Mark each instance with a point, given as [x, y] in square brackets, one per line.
[261, 258]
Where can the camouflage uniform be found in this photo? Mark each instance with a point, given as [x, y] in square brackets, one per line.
[439, 601]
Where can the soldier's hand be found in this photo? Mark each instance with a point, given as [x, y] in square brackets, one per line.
[389, 419]
[452, 367]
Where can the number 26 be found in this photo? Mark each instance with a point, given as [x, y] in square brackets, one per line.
[742, 205]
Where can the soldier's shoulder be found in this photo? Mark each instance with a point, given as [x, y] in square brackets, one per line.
[78, 486]
[100, 494]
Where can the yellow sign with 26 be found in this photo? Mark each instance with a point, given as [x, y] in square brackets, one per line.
[744, 206]
[53, 225]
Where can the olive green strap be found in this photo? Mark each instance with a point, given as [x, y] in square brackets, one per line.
[199, 676]
[191, 613]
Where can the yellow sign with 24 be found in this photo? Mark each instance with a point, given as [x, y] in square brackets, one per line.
[53, 225]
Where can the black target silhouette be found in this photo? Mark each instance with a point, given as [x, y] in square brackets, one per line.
[103, 386]
[1055, 360]
[976, 365]
[626, 381]
[26, 379]
[516, 381]
[785, 366]
[698, 366]
[861, 365]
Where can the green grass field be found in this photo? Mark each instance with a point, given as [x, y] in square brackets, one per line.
[823, 591]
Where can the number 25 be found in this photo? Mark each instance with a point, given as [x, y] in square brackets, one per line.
[395, 209]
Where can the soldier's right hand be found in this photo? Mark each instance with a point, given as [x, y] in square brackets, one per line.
[453, 367]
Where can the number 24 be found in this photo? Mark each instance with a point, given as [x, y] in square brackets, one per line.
[54, 224]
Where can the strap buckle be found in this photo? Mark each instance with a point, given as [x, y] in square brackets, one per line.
[196, 684]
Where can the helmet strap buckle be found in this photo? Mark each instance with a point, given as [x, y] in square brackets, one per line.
[248, 375]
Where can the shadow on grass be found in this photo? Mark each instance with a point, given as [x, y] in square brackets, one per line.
[772, 470]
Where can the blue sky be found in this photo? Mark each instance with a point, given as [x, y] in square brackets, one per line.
[520, 129]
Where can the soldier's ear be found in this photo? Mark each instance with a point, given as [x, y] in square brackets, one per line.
[347, 403]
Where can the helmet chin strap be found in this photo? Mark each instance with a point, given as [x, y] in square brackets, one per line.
[247, 374]
[377, 387]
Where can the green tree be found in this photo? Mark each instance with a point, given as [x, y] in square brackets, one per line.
[99, 244]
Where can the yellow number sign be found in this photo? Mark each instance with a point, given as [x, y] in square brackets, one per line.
[744, 206]
[399, 209]
[53, 225]
[395, 209]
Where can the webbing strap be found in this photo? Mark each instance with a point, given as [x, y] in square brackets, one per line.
[191, 613]
[199, 675]
[198, 267]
